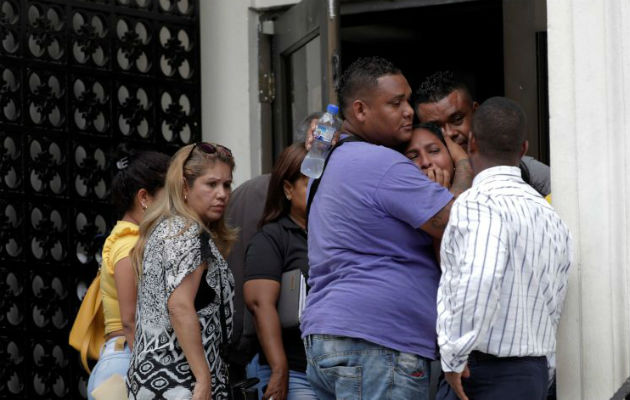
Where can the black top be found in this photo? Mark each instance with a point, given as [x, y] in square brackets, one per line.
[279, 247]
[205, 294]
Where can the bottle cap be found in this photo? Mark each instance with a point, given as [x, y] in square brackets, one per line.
[333, 109]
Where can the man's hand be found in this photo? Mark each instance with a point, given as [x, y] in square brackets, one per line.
[463, 170]
[457, 152]
[278, 386]
[455, 380]
[310, 136]
[439, 176]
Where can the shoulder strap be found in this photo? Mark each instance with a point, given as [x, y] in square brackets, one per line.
[316, 182]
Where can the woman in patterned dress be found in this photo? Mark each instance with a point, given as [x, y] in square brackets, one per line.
[184, 312]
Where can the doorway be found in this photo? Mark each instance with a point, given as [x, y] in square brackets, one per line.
[466, 38]
[308, 50]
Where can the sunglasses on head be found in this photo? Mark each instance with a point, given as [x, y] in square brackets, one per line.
[209, 148]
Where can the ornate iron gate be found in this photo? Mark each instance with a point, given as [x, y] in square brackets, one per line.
[77, 77]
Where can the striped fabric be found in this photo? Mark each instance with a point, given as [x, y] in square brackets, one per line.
[505, 258]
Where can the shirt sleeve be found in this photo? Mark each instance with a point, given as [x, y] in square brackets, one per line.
[121, 248]
[404, 192]
[263, 259]
[539, 175]
[182, 254]
[474, 257]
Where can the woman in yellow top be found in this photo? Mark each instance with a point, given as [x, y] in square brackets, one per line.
[139, 179]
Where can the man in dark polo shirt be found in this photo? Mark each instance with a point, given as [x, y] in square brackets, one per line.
[447, 102]
[244, 212]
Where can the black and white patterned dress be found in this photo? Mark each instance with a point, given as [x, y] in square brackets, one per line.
[158, 368]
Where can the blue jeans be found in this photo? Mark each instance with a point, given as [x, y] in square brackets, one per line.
[299, 388]
[348, 368]
[110, 362]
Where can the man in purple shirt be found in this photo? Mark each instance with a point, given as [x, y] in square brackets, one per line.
[369, 321]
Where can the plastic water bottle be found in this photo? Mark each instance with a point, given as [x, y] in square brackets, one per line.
[313, 163]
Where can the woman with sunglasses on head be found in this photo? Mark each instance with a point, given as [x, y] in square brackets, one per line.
[138, 181]
[278, 247]
[184, 313]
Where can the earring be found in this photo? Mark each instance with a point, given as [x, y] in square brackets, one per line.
[144, 207]
[185, 197]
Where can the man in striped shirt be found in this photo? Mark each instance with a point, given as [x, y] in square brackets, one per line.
[505, 257]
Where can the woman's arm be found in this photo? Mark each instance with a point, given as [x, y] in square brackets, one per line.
[181, 309]
[125, 279]
[261, 296]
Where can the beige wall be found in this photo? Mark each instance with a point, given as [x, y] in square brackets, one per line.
[229, 81]
[521, 20]
[589, 88]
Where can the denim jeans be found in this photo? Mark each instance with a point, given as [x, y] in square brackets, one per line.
[349, 369]
[299, 388]
[110, 362]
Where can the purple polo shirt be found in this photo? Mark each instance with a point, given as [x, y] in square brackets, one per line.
[373, 273]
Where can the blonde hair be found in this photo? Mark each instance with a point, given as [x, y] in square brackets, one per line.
[186, 165]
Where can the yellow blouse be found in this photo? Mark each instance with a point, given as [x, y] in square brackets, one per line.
[117, 246]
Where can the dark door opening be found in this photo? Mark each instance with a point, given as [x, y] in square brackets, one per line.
[466, 38]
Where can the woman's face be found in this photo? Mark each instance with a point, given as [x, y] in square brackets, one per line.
[296, 191]
[210, 192]
[428, 152]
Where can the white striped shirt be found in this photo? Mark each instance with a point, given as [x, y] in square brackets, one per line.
[505, 258]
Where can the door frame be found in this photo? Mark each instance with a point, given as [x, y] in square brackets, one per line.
[293, 29]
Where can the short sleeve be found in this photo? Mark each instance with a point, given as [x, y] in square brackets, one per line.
[118, 244]
[182, 256]
[121, 249]
[263, 259]
[405, 193]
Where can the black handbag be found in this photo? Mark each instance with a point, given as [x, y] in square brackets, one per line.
[243, 389]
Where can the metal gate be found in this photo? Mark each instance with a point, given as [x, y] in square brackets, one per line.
[77, 77]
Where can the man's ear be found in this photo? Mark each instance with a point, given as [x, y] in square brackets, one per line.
[359, 108]
[524, 147]
[475, 106]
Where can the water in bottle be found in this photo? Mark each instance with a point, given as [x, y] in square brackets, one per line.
[313, 163]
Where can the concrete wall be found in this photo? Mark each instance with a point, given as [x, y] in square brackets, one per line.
[229, 78]
[521, 20]
[589, 87]
[228, 83]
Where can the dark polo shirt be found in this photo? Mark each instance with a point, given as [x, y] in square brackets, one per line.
[279, 247]
[244, 211]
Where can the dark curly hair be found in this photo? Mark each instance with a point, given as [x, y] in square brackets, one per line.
[437, 86]
[499, 126]
[361, 75]
[433, 128]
